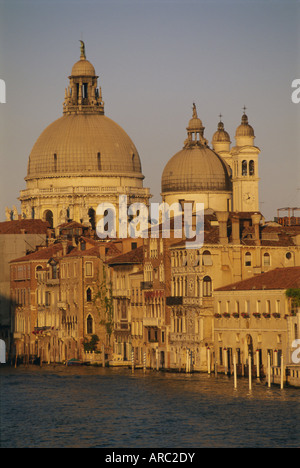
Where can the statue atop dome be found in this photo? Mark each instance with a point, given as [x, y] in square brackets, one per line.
[82, 50]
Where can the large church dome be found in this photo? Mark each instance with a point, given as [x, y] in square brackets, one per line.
[84, 141]
[83, 145]
[82, 159]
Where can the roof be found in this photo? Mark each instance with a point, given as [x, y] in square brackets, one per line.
[92, 252]
[24, 226]
[279, 278]
[71, 225]
[44, 253]
[195, 169]
[134, 256]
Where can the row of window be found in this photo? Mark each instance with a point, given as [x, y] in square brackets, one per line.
[66, 270]
[247, 306]
[20, 272]
[180, 259]
[21, 297]
[179, 286]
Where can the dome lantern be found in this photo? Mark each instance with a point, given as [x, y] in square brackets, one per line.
[195, 131]
[83, 95]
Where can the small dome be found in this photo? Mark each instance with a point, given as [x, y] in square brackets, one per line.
[83, 68]
[195, 169]
[195, 124]
[244, 130]
[221, 135]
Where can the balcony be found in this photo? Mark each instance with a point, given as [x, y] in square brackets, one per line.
[152, 322]
[174, 300]
[122, 326]
[122, 293]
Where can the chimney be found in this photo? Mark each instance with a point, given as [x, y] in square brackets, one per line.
[64, 244]
[255, 222]
[235, 229]
[222, 217]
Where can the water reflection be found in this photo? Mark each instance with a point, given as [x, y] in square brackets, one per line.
[95, 407]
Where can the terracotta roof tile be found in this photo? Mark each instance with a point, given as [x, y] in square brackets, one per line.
[44, 253]
[279, 278]
[24, 226]
[134, 256]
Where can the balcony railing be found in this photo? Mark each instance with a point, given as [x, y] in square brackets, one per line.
[152, 322]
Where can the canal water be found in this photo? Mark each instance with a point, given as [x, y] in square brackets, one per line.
[81, 407]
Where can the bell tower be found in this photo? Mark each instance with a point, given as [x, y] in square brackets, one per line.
[245, 177]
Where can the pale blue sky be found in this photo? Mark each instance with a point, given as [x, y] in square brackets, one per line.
[154, 59]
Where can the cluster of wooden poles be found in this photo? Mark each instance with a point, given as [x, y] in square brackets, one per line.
[250, 370]
[250, 376]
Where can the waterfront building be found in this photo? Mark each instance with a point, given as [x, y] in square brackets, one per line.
[17, 237]
[239, 250]
[34, 302]
[258, 317]
[126, 274]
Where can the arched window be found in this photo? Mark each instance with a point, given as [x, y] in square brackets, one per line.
[89, 324]
[88, 295]
[92, 218]
[37, 270]
[207, 286]
[267, 259]
[244, 168]
[206, 258]
[247, 259]
[48, 216]
[251, 168]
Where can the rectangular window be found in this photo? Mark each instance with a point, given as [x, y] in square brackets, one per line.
[48, 298]
[88, 269]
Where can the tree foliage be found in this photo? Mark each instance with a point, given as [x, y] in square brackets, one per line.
[105, 297]
[294, 295]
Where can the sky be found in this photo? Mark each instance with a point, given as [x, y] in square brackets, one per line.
[154, 59]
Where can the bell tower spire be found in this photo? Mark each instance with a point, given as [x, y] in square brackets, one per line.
[83, 96]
